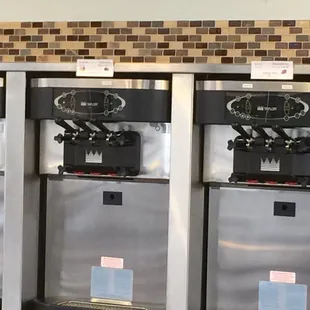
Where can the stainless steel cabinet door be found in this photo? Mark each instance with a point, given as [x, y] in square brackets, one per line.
[246, 241]
[81, 229]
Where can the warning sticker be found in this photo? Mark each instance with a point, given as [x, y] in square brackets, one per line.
[112, 262]
[282, 276]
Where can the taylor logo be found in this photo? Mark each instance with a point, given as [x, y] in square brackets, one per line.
[93, 157]
[270, 164]
[269, 109]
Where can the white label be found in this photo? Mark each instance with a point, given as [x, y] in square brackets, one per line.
[112, 262]
[95, 67]
[287, 87]
[283, 277]
[272, 70]
[247, 85]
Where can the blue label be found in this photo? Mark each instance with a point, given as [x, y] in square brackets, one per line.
[111, 283]
[282, 296]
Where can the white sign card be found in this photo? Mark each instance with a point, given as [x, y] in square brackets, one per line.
[272, 70]
[95, 68]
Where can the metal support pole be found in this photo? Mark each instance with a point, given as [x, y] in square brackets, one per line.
[21, 199]
[185, 216]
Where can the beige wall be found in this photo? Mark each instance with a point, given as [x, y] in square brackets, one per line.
[64, 10]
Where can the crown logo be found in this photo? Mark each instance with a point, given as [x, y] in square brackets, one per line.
[93, 157]
[270, 164]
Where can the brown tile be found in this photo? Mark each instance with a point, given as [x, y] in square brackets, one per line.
[150, 59]
[221, 38]
[126, 30]
[156, 52]
[289, 23]
[306, 61]
[227, 45]
[234, 38]
[102, 31]
[163, 30]
[241, 30]
[14, 38]
[20, 32]
[49, 24]
[157, 24]
[36, 38]
[95, 38]
[48, 52]
[208, 23]
[182, 53]
[215, 30]
[132, 38]
[13, 52]
[295, 60]
[214, 45]
[201, 60]
[89, 45]
[150, 30]
[260, 53]
[145, 24]
[282, 46]
[138, 59]
[96, 24]
[220, 52]
[274, 53]
[138, 45]
[101, 45]
[240, 60]
[182, 38]
[267, 58]
[37, 25]
[31, 58]
[8, 32]
[234, 23]
[306, 45]
[43, 31]
[114, 31]
[54, 31]
[227, 60]
[188, 45]
[60, 52]
[108, 52]
[201, 45]
[19, 58]
[132, 24]
[65, 58]
[275, 38]
[261, 38]
[120, 38]
[170, 38]
[163, 45]
[42, 45]
[302, 53]
[247, 53]
[295, 45]
[241, 45]
[113, 45]
[302, 38]
[182, 23]
[280, 58]
[175, 59]
[275, 23]
[28, 45]
[195, 23]
[188, 59]
[248, 23]
[195, 38]
[268, 30]
[150, 44]
[207, 52]
[179, 30]
[25, 25]
[144, 38]
[4, 51]
[60, 38]
[255, 30]
[72, 24]
[120, 52]
[202, 30]
[294, 30]
[72, 38]
[85, 24]
[83, 38]
[169, 52]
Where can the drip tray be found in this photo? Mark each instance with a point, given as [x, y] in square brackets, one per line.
[74, 304]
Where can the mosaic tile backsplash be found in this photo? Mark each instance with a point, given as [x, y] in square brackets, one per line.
[157, 41]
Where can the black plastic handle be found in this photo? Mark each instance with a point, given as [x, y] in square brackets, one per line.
[278, 130]
[240, 130]
[81, 124]
[261, 131]
[99, 125]
[62, 123]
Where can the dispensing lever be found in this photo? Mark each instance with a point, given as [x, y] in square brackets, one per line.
[81, 124]
[60, 122]
[278, 130]
[99, 125]
[261, 131]
[241, 131]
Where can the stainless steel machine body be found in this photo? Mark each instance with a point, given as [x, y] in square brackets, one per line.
[253, 232]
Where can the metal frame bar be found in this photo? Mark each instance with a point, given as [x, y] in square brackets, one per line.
[21, 199]
[146, 68]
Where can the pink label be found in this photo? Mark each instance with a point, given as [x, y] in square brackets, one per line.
[281, 276]
[112, 262]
